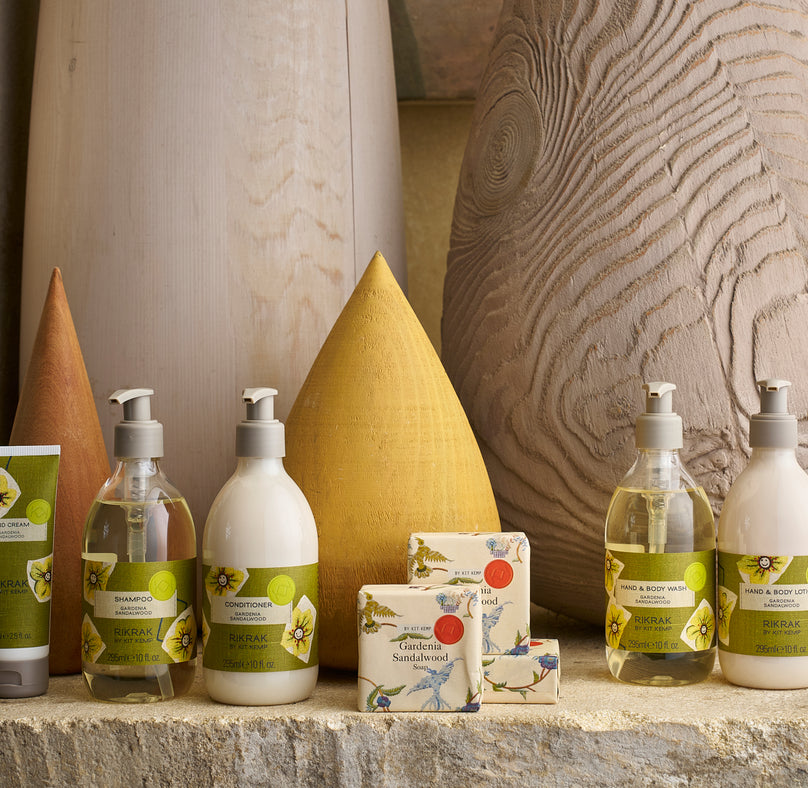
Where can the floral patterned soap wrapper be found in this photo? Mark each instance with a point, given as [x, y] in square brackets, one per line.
[497, 564]
[529, 676]
[419, 648]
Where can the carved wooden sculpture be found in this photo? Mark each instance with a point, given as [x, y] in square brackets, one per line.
[632, 206]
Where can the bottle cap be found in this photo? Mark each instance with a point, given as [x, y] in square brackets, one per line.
[23, 678]
[260, 434]
[138, 435]
[659, 427]
[774, 427]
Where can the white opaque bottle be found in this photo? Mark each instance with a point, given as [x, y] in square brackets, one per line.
[762, 593]
[260, 583]
[660, 560]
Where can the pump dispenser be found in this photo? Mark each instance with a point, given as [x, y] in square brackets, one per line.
[660, 559]
[138, 570]
[259, 552]
[763, 555]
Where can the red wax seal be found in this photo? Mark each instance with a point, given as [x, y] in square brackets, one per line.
[448, 629]
[498, 573]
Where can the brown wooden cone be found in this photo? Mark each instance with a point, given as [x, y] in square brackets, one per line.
[56, 407]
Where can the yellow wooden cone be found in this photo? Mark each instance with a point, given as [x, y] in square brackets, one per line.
[381, 447]
[56, 406]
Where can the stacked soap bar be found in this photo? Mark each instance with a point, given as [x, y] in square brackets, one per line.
[497, 564]
[420, 648]
[516, 668]
[529, 677]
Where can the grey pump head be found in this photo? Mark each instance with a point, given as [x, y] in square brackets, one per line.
[659, 427]
[138, 435]
[774, 427]
[260, 434]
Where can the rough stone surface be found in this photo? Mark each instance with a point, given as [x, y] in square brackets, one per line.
[600, 733]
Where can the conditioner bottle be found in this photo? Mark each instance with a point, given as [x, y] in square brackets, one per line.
[260, 584]
[660, 559]
[763, 556]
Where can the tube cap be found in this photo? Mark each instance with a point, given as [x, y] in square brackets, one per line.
[774, 427]
[659, 427]
[260, 434]
[138, 435]
[23, 678]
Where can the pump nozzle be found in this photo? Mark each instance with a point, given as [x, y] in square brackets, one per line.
[659, 397]
[773, 395]
[260, 404]
[659, 427]
[774, 427]
[138, 435]
[260, 434]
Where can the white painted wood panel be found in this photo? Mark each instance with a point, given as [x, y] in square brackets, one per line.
[192, 171]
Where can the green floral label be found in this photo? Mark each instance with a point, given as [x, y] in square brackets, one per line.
[763, 604]
[137, 613]
[27, 502]
[660, 603]
[257, 620]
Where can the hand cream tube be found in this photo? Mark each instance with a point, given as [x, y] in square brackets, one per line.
[28, 476]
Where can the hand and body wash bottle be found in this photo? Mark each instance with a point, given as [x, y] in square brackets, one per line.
[138, 571]
[260, 581]
[660, 560]
[763, 556]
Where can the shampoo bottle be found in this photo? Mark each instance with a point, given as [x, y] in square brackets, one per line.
[138, 632]
[763, 556]
[660, 559]
[260, 582]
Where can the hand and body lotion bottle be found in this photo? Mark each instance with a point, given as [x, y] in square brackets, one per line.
[260, 582]
[763, 556]
[660, 560]
[138, 633]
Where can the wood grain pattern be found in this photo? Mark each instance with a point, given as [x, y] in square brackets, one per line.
[56, 407]
[633, 205]
[381, 447]
[194, 173]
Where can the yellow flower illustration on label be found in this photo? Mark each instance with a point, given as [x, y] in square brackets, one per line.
[9, 490]
[180, 639]
[613, 570]
[763, 569]
[96, 577]
[726, 604]
[224, 580]
[40, 572]
[91, 643]
[296, 637]
[616, 621]
[700, 627]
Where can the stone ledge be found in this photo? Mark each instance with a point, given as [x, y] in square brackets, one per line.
[600, 733]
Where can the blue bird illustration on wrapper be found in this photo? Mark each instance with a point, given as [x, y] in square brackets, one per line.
[490, 620]
[434, 680]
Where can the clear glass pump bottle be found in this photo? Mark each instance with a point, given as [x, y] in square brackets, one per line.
[140, 547]
[660, 559]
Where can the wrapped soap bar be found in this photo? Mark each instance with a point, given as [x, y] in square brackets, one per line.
[419, 648]
[529, 675]
[497, 564]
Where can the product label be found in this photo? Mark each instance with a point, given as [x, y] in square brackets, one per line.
[137, 613]
[660, 602]
[257, 620]
[27, 502]
[763, 604]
